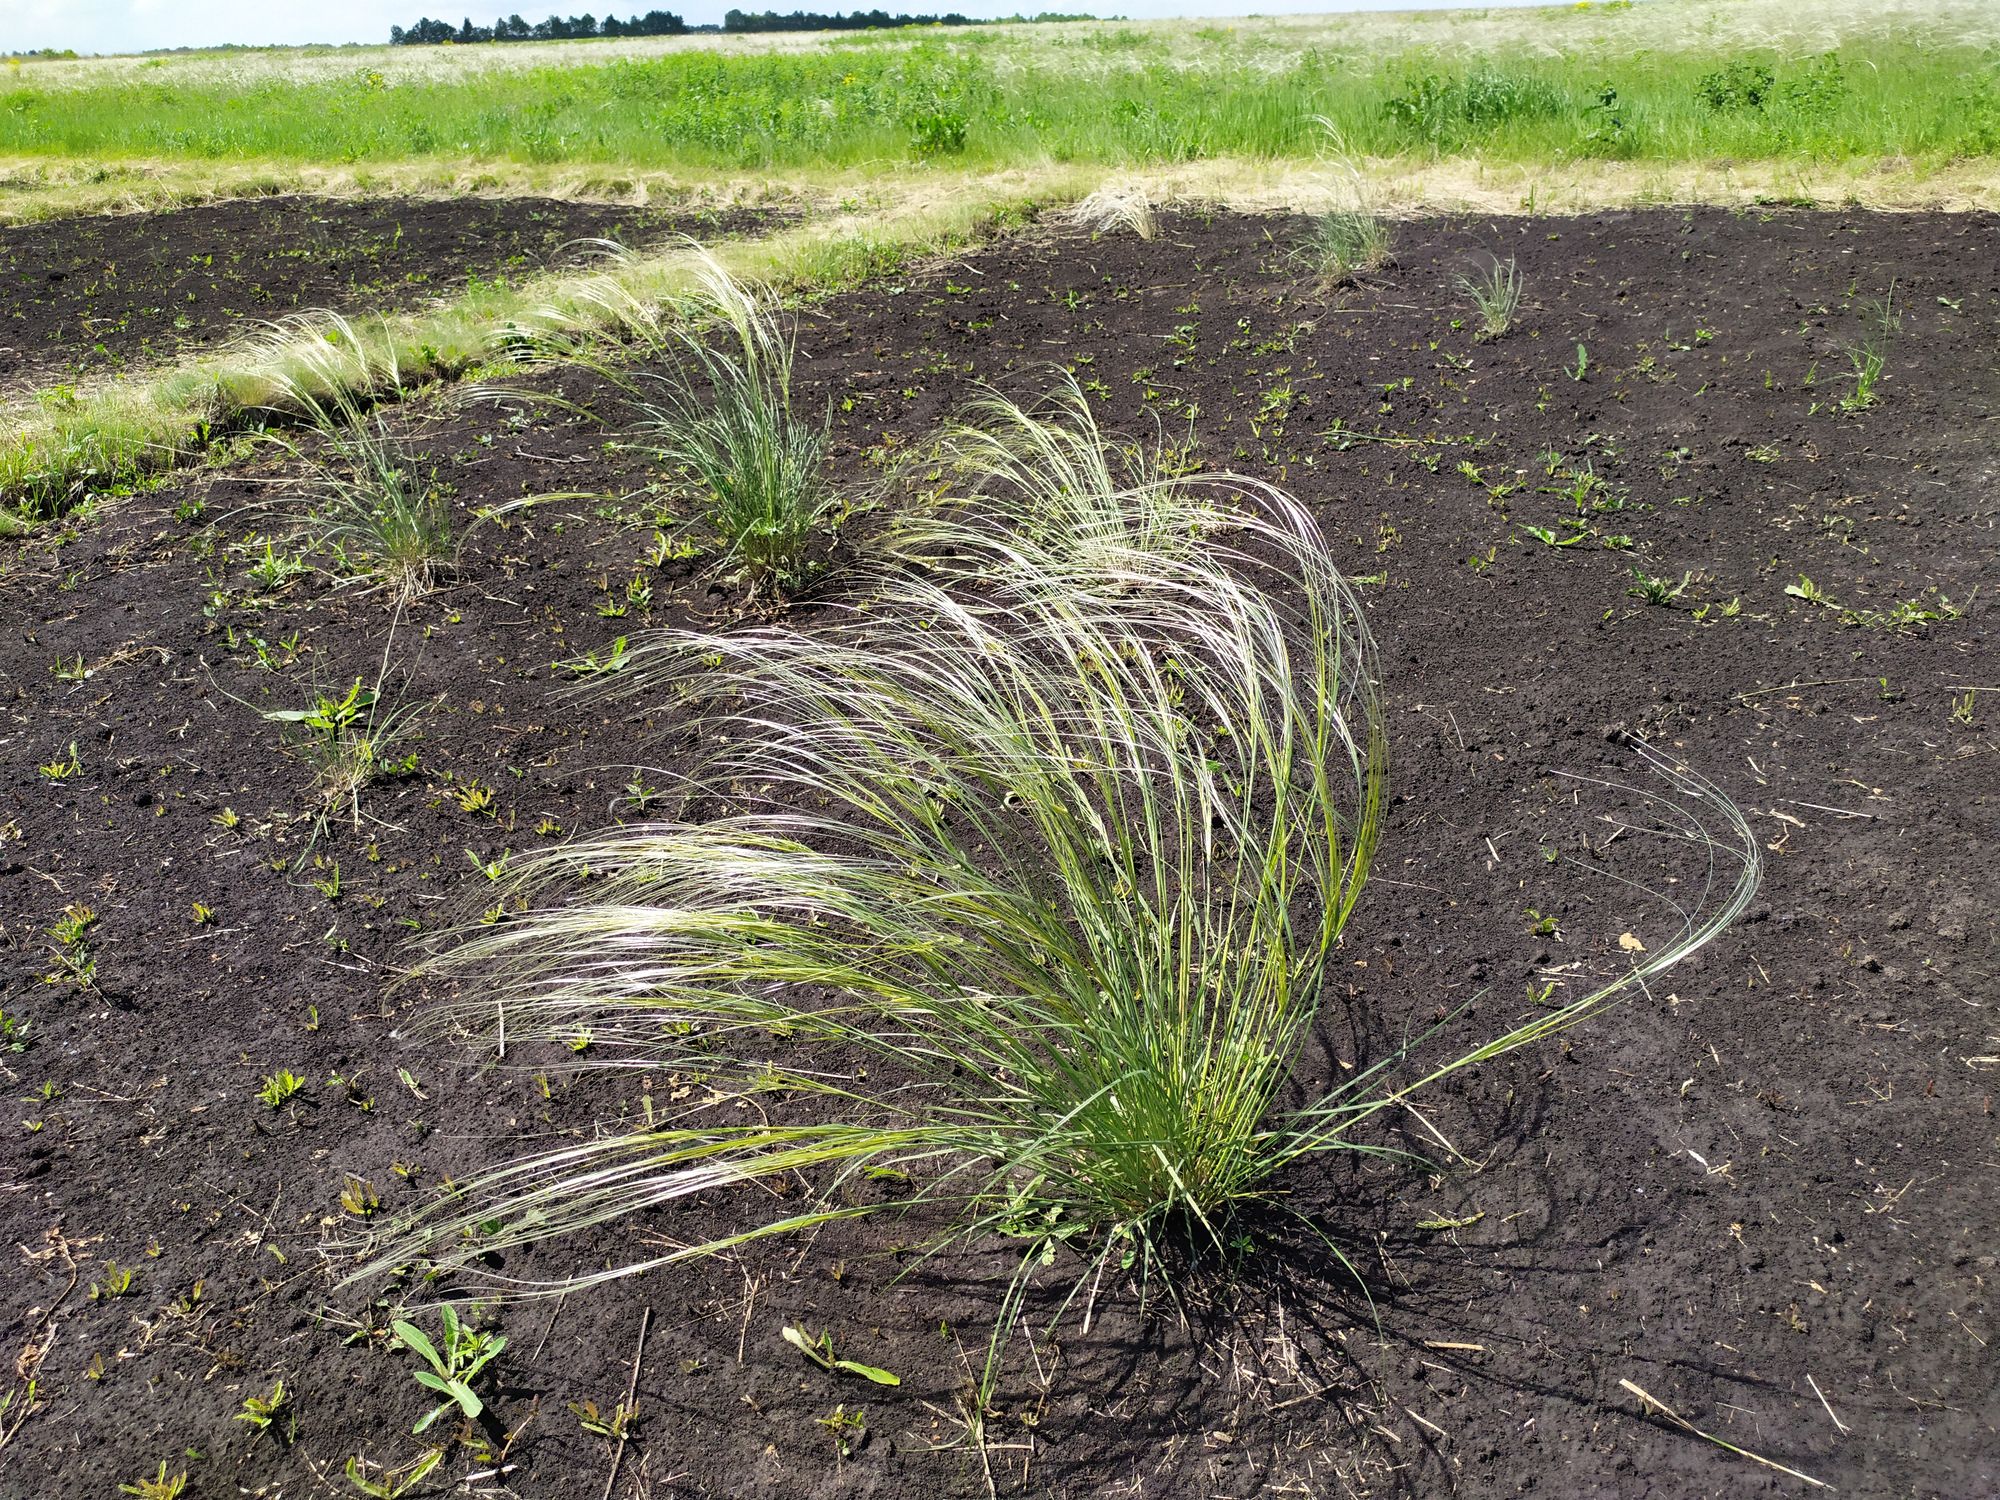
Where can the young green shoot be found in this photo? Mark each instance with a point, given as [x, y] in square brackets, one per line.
[1495, 291]
[465, 1352]
[393, 1483]
[1658, 588]
[279, 1088]
[350, 739]
[819, 1349]
[159, 1486]
[260, 1412]
[1868, 359]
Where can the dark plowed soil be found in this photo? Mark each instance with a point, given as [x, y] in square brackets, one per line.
[1762, 1194]
[84, 296]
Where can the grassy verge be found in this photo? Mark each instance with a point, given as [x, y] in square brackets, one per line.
[32, 191]
[60, 447]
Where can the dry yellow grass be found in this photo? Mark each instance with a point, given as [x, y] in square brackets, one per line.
[39, 190]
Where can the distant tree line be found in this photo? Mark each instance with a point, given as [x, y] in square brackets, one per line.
[812, 20]
[666, 23]
[555, 28]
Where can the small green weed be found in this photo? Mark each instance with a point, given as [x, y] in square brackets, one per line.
[280, 1087]
[1658, 588]
[465, 1353]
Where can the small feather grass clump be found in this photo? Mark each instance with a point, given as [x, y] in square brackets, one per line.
[1055, 826]
[369, 495]
[1118, 206]
[711, 403]
[1345, 243]
[1495, 290]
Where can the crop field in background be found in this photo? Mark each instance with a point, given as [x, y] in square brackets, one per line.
[1244, 758]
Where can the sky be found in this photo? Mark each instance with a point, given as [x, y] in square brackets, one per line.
[142, 25]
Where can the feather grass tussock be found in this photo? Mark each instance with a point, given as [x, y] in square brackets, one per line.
[368, 496]
[1349, 239]
[1116, 206]
[705, 383]
[1057, 823]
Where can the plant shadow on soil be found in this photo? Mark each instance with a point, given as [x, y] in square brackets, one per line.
[1750, 1177]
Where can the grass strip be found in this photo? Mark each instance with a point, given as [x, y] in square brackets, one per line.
[62, 448]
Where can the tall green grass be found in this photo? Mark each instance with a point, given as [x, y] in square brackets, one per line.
[1086, 100]
[1016, 883]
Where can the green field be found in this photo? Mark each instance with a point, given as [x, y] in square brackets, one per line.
[1650, 82]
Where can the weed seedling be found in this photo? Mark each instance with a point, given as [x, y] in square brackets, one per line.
[643, 795]
[161, 1486]
[75, 963]
[116, 1281]
[1962, 708]
[274, 569]
[474, 797]
[1657, 588]
[63, 766]
[598, 663]
[492, 869]
[613, 1425]
[394, 1483]
[1809, 591]
[349, 742]
[359, 1197]
[279, 1087]
[262, 1411]
[849, 1429]
[1549, 538]
[452, 1370]
[819, 1349]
